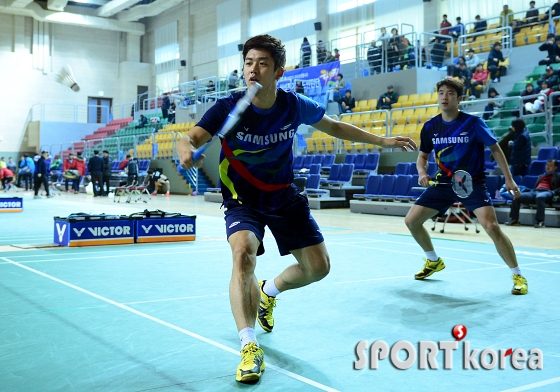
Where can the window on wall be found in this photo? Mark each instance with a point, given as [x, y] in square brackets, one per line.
[343, 5]
[166, 57]
[226, 65]
[268, 17]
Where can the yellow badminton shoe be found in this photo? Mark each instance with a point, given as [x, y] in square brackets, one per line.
[252, 364]
[266, 306]
[429, 268]
[520, 286]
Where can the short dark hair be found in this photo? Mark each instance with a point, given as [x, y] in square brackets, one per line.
[445, 15]
[341, 75]
[270, 44]
[348, 91]
[150, 171]
[95, 152]
[455, 84]
[497, 43]
[518, 125]
[128, 155]
[554, 161]
[105, 152]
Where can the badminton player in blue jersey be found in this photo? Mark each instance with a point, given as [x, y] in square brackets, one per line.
[458, 140]
[256, 173]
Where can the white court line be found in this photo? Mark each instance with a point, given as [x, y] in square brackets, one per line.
[539, 270]
[169, 325]
[175, 299]
[533, 385]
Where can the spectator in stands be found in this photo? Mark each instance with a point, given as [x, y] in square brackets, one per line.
[95, 167]
[550, 47]
[516, 26]
[26, 169]
[321, 52]
[444, 26]
[71, 173]
[528, 103]
[299, 87]
[233, 80]
[336, 55]
[305, 50]
[165, 104]
[472, 60]
[454, 70]
[451, 156]
[478, 80]
[480, 24]
[347, 103]
[143, 121]
[124, 162]
[374, 58]
[3, 163]
[56, 163]
[334, 92]
[107, 171]
[157, 180]
[171, 116]
[210, 89]
[132, 172]
[41, 175]
[387, 99]
[6, 177]
[457, 30]
[493, 107]
[437, 52]
[549, 77]
[555, 9]
[464, 73]
[495, 57]
[394, 50]
[384, 37]
[11, 165]
[532, 15]
[520, 157]
[546, 187]
[507, 16]
[329, 58]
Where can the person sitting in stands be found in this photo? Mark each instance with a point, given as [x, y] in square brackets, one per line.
[142, 122]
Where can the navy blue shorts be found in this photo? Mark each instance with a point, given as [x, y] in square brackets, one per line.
[441, 197]
[292, 226]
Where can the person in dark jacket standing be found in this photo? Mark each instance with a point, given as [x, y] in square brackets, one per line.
[132, 170]
[95, 167]
[107, 171]
[40, 175]
[165, 105]
[520, 157]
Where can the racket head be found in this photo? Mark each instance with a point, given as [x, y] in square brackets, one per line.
[461, 183]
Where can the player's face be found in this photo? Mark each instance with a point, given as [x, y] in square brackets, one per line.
[259, 67]
[448, 99]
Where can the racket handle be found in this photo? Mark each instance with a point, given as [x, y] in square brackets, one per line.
[432, 183]
[198, 153]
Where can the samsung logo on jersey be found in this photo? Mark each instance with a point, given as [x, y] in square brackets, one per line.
[450, 140]
[266, 139]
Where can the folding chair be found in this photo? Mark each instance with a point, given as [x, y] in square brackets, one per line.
[122, 191]
[458, 211]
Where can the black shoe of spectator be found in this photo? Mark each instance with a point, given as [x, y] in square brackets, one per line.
[513, 222]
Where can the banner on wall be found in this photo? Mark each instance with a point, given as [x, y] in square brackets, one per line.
[316, 81]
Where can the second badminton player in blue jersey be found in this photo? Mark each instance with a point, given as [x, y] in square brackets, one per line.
[458, 140]
[256, 173]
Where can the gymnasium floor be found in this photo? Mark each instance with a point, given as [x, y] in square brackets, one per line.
[156, 317]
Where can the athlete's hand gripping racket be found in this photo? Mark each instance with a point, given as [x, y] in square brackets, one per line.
[232, 119]
[461, 183]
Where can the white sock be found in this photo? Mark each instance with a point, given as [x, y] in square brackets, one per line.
[432, 255]
[516, 270]
[247, 335]
[270, 288]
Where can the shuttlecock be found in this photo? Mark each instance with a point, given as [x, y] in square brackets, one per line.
[66, 77]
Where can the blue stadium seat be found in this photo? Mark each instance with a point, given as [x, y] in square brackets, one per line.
[387, 184]
[536, 168]
[315, 168]
[360, 162]
[546, 153]
[312, 186]
[345, 176]
[372, 162]
[334, 173]
[318, 159]
[298, 162]
[402, 184]
[530, 181]
[493, 183]
[349, 158]
[402, 168]
[328, 161]
[307, 161]
[412, 169]
[372, 187]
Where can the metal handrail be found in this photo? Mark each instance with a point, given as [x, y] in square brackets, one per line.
[507, 44]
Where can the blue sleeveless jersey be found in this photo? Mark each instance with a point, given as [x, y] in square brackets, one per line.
[458, 145]
[256, 160]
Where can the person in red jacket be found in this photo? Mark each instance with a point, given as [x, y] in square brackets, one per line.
[478, 79]
[6, 176]
[444, 26]
[81, 167]
[71, 173]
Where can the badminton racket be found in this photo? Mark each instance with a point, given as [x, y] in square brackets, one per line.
[232, 119]
[461, 183]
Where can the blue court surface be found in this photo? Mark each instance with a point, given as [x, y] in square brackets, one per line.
[156, 317]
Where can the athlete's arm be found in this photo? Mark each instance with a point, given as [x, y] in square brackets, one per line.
[350, 132]
[500, 158]
[422, 167]
[195, 138]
